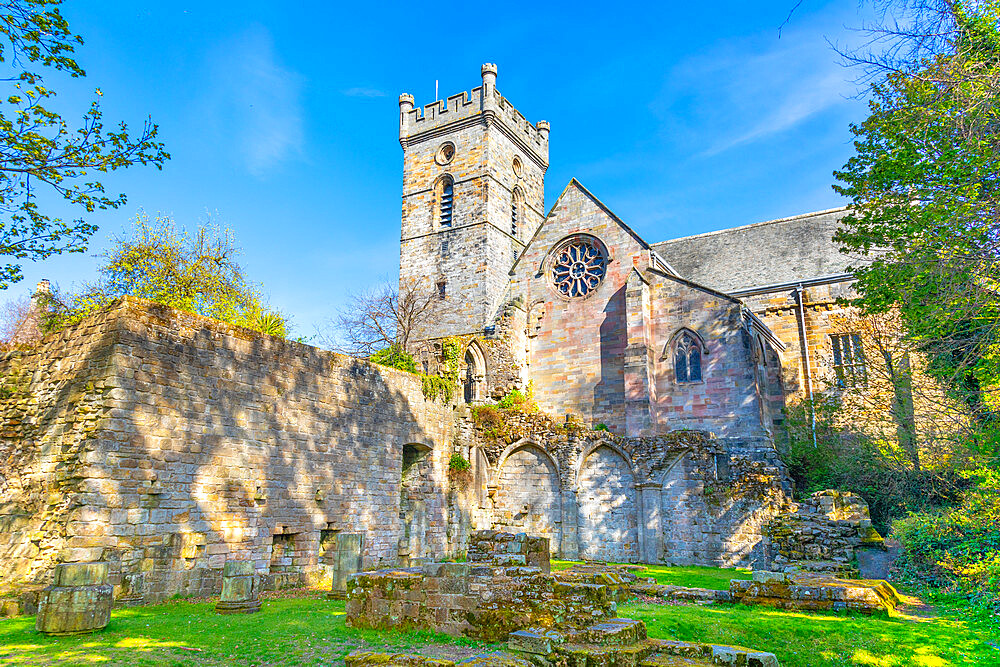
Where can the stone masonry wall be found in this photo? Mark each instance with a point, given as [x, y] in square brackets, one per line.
[210, 443]
[682, 498]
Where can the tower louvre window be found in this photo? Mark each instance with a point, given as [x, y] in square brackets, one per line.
[515, 211]
[447, 201]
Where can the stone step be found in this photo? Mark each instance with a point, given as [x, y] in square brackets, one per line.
[612, 632]
[667, 652]
[631, 655]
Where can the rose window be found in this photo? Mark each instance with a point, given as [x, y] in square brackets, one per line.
[579, 267]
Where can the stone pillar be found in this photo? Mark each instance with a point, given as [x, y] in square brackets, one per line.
[78, 601]
[240, 588]
[651, 521]
[347, 560]
[570, 524]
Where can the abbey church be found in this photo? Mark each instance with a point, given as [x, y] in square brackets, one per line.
[166, 444]
[710, 332]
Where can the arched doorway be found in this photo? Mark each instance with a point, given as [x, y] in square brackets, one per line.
[607, 505]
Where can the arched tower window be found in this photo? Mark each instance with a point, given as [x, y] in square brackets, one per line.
[516, 206]
[446, 200]
[687, 358]
[475, 373]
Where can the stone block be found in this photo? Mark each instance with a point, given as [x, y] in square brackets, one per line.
[84, 606]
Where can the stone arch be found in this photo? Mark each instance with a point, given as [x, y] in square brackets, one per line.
[474, 373]
[608, 506]
[679, 506]
[526, 496]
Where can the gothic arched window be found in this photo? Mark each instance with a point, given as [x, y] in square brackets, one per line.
[446, 200]
[687, 358]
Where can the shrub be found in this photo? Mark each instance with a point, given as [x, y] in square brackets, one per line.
[435, 385]
[458, 463]
[394, 357]
[490, 421]
[852, 461]
[601, 427]
[958, 548]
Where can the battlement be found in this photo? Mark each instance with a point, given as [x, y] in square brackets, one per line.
[430, 120]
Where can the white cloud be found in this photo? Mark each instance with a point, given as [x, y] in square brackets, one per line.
[258, 100]
[746, 90]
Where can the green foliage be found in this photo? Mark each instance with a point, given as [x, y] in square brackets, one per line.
[515, 401]
[435, 385]
[924, 188]
[451, 350]
[38, 149]
[444, 385]
[458, 463]
[958, 548]
[490, 420]
[601, 426]
[853, 461]
[195, 272]
[395, 357]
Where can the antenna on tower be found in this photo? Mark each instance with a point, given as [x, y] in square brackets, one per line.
[435, 90]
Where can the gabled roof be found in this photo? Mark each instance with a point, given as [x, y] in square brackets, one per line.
[786, 250]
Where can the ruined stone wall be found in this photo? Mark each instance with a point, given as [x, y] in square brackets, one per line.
[823, 532]
[683, 498]
[211, 442]
[53, 401]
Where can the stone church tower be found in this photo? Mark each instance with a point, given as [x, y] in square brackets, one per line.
[473, 193]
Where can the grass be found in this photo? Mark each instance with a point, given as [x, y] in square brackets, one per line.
[287, 631]
[311, 631]
[715, 578]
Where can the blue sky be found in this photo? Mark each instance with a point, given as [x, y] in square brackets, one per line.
[282, 117]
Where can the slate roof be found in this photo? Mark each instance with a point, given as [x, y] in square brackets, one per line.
[765, 253]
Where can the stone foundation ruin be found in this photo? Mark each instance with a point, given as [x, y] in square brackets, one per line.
[546, 619]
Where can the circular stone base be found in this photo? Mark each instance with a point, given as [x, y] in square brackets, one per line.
[249, 607]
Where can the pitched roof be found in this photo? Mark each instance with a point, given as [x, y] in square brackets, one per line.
[766, 253]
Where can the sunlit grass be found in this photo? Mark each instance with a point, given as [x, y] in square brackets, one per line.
[715, 578]
[312, 631]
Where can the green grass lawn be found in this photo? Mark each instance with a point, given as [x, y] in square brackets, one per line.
[287, 631]
[715, 578]
[311, 631]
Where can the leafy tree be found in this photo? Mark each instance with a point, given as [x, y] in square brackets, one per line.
[196, 272]
[38, 148]
[925, 196]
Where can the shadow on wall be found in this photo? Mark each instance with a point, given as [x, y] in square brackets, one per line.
[609, 392]
[219, 443]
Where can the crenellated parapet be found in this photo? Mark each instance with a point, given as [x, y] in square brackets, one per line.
[483, 104]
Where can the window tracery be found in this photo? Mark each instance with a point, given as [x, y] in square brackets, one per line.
[579, 267]
[687, 358]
